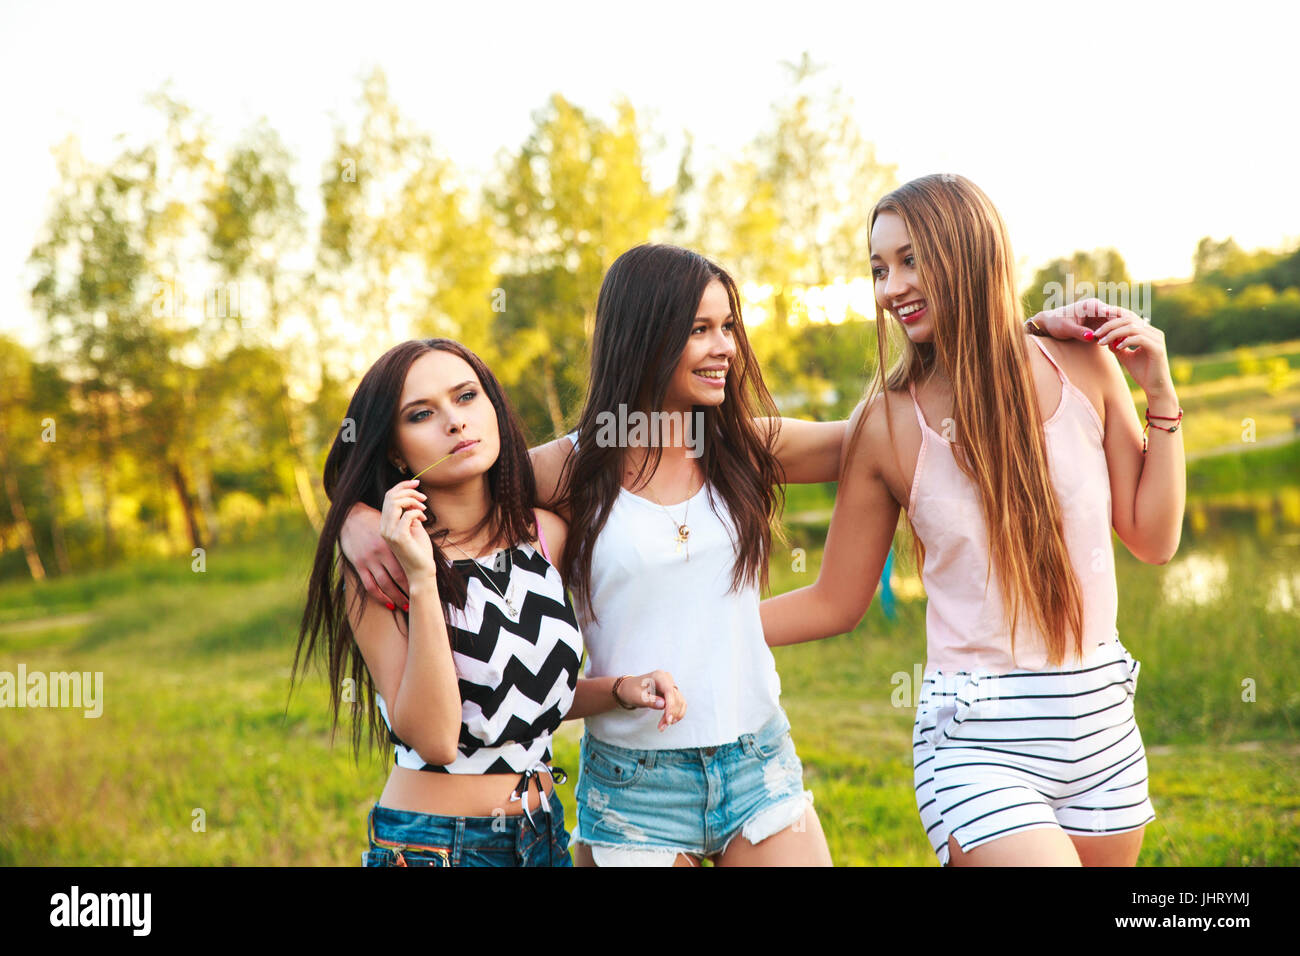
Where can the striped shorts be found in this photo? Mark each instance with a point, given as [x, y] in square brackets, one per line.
[994, 754]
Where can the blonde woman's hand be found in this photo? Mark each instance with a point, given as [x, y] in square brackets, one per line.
[1140, 348]
[401, 525]
[1078, 320]
[655, 690]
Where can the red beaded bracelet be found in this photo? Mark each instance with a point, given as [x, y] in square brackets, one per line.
[1176, 419]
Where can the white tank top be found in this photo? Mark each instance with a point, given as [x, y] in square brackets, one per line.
[659, 611]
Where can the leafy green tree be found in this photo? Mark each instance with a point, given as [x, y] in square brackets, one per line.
[791, 212]
[255, 228]
[1100, 273]
[572, 199]
[105, 269]
[18, 430]
[794, 208]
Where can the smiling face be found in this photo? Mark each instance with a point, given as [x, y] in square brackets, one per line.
[897, 283]
[443, 407]
[700, 377]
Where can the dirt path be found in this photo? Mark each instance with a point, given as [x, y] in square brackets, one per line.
[47, 623]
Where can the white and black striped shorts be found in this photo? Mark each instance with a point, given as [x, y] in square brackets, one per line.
[997, 754]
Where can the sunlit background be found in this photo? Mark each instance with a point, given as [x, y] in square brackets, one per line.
[217, 217]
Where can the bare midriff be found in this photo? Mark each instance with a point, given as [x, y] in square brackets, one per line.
[459, 794]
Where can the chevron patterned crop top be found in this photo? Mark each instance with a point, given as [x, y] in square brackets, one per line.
[517, 672]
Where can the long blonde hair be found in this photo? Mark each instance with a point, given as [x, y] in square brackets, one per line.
[967, 274]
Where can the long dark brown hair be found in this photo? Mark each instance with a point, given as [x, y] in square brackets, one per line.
[358, 468]
[644, 315]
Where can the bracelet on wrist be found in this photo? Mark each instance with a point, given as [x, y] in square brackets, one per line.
[614, 691]
[1152, 423]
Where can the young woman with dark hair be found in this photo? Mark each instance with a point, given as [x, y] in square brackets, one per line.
[670, 540]
[1026, 750]
[670, 543]
[475, 673]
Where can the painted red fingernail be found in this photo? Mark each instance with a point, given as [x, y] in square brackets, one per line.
[406, 607]
[390, 605]
[1088, 336]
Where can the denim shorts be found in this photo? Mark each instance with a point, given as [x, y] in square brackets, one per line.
[407, 838]
[643, 807]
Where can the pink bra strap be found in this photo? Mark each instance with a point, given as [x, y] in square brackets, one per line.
[916, 407]
[541, 537]
[1048, 355]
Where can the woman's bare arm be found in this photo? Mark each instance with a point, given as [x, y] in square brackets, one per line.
[809, 452]
[548, 467]
[413, 672]
[655, 690]
[1148, 491]
[857, 544]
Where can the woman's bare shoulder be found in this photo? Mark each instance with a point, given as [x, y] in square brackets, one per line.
[548, 468]
[877, 420]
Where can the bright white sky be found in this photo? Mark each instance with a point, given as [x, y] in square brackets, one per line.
[1142, 126]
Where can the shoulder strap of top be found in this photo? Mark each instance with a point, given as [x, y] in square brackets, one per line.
[916, 407]
[573, 437]
[541, 537]
[1048, 355]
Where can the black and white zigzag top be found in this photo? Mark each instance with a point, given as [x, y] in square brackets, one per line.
[517, 673]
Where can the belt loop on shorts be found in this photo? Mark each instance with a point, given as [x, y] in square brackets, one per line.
[458, 840]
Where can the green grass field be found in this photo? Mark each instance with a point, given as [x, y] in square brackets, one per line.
[195, 760]
[196, 670]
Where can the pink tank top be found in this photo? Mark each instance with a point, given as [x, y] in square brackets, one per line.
[966, 626]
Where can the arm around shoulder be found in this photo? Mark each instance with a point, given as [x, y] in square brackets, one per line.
[548, 472]
[809, 452]
[857, 544]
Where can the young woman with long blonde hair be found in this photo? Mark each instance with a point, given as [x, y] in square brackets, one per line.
[668, 547]
[1013, 462]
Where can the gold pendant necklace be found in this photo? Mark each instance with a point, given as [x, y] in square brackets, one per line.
[683, 534]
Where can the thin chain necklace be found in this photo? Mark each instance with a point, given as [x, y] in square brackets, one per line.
[510, 588]
[683, 530]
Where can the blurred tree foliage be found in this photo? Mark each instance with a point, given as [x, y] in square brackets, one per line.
[200, 335]
[791, 212]
[1101, 272]
[567, 203]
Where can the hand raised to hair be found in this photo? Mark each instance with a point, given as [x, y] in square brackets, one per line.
[401, 525]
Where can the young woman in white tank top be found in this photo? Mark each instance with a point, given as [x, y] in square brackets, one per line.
[662, 571]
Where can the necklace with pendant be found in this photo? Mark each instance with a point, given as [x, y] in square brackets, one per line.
[510, 588]
[683, 534]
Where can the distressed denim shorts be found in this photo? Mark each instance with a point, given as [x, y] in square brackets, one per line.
[643, 807]
[407, 838]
